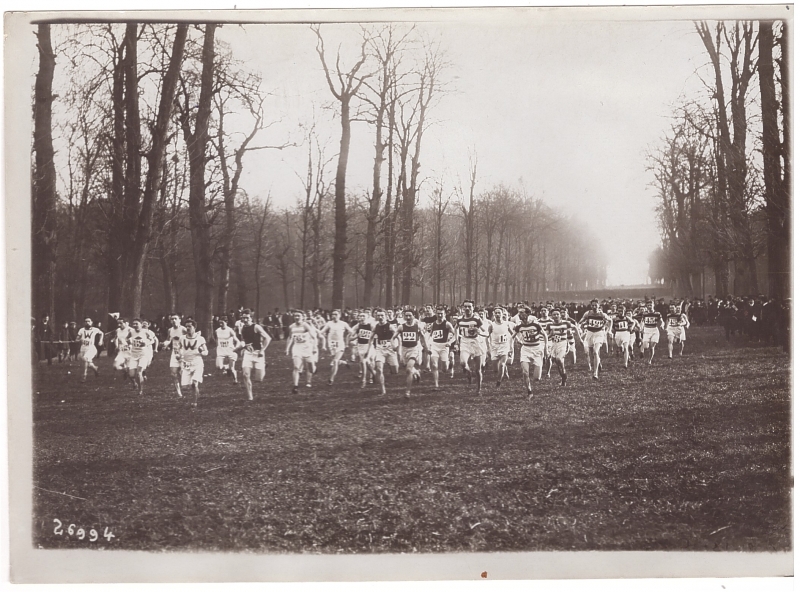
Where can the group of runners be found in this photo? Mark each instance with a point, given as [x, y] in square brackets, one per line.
[431, 340]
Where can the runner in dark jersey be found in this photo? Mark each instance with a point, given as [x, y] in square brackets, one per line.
[412, 341]
[652, 321]
[382, 339]
[442, 334]
[254, 341]
[363, 331]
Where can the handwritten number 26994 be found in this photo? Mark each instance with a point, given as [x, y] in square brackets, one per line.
[80, 533]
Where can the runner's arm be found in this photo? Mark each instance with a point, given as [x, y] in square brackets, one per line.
[266, 339]
[289, 343]
[452, 335]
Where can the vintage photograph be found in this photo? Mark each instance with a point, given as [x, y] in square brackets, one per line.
[413, 285]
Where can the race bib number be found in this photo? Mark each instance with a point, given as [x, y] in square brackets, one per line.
[384, 343]
[596, 323]
[333, 345]
[300, 338]
[502, 338]
[87, 342]
[438, 335]
[409, 336]
[225, 343]
[364, 333]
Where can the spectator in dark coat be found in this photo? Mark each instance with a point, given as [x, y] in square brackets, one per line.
[44, 335]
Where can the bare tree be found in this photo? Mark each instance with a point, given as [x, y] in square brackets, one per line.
[132, 207]
[681, 178]
[44, 180]
[740, 43]
[167, 224]
[86, 144]
[440, 205]
[283, 255]
[412, 120]
[316, 189]
[349, 84]
[776, 189]
[260, 223]
[391, 208]
[384, 48]
[468, 212]
[199, 219]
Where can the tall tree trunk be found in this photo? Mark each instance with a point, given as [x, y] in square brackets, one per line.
[469, 232]
[340, 209]
[133, 172]
[350, 83]
[238, 273]
[44, 182]
[226, 246]
[407, 251]
[733, 138]
[155, 167]
[170, 291]
[776, 210]
[488, 266]
[388, 216]
[199, 222]
[117, 252]
[138, 217]
[374, 208]
[317, 255]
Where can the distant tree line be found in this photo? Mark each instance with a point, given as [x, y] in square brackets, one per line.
[147, 214]
[723, 172]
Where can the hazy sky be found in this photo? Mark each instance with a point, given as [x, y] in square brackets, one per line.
[564, 106]
[561, 102]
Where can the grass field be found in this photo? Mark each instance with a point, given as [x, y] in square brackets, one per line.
[687, 454]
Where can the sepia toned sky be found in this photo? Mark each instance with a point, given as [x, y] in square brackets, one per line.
[560, 103]
[561, 107]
